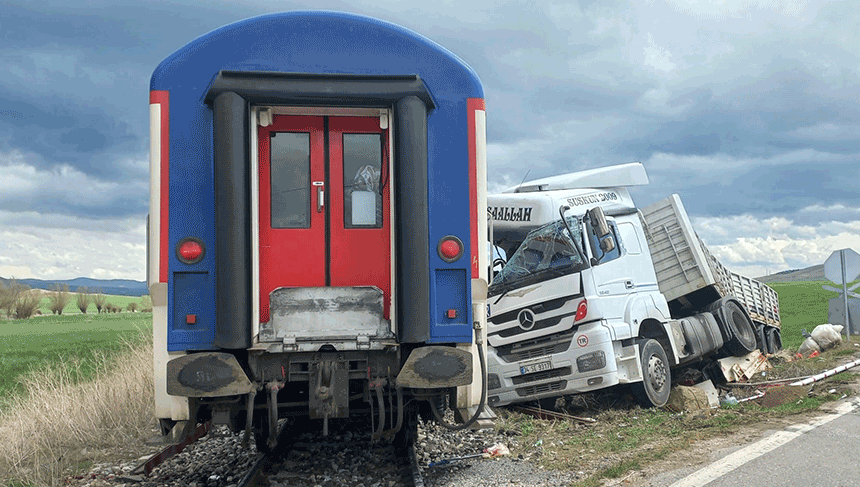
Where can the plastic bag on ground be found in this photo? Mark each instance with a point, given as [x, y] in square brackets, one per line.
[827, 335]
[808, 346]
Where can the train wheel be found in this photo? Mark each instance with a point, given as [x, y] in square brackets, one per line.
[261, 434]
[656, 383]
[409, 429]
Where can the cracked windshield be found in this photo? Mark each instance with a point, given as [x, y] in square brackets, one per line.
[547, 252]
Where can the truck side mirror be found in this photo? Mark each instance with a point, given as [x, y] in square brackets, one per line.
[599, 223]
[607, 244]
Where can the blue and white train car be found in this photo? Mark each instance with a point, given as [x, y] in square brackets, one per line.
[317, 204]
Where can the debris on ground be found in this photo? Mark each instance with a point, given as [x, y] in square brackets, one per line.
[687, 398]
[498, 450]
[742, 369]
[446, 461]
[777, 396]
[711, 391]
[822, 338]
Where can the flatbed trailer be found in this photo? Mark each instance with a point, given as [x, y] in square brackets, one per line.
[689, 275]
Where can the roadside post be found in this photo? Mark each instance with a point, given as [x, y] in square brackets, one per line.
[842, 267]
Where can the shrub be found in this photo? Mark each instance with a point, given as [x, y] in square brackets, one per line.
[59, 297]
[27, 304]
[99, 299]
[84, 299]
[9, 292]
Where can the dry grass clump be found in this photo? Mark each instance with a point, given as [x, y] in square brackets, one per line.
[46, 431]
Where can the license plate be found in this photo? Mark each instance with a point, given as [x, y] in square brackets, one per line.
[538, 367]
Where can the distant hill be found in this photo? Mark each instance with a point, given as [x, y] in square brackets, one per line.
[814, 273]
[119, 287]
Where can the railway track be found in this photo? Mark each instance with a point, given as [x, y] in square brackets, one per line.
[308, 459]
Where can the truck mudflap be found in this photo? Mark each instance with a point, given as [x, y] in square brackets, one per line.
[591, 361]
[207, 374]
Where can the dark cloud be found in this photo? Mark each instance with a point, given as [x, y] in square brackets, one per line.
[69, 130]
[568, 87]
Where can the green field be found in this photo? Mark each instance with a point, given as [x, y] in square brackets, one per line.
[802, 304]
[41, 341]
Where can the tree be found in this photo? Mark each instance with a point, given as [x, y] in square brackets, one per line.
[132, 307]
[146, 304]
[84, 299]
[9, 292]
[59, 297]
[99, 299]
[27, 303]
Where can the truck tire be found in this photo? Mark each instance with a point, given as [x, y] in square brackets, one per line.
[735, 320]
[774, 339]
[760, 337]
[656, 383]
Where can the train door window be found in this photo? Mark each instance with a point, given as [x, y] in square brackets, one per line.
[598, 253]
[362, 170]
[290, 180]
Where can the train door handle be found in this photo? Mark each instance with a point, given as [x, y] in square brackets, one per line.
[320, 195]
[628, 284]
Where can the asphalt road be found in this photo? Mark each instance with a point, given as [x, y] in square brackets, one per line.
[819, 452]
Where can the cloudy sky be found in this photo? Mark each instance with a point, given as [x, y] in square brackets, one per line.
[749, 109]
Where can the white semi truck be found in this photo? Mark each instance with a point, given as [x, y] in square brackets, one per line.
[596, 292]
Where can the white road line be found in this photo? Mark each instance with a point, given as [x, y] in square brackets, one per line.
[759, 448]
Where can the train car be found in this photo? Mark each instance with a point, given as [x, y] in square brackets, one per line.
[318, 195]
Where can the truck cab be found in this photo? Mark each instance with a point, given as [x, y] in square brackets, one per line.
[567, 307]
[597, 292]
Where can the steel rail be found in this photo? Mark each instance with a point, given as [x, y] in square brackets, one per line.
[416, 477]
[171, 450]
[547, 414]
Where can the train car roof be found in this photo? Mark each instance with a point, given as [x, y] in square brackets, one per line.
[317, 42]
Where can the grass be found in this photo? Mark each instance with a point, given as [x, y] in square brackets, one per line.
[62, 423]
[802, 304]
[82, 340]
[626, 438]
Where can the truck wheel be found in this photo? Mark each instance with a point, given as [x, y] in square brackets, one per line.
[774, 340]
[656, 376]
[743, 337]
[736, 325]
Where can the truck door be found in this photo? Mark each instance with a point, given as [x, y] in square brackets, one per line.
[324, 205]
[613, 277]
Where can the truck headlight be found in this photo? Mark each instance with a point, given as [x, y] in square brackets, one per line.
[591, 361]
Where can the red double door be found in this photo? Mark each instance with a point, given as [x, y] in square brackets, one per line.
[324, 205]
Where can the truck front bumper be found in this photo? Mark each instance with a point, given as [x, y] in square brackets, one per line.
[572, 363]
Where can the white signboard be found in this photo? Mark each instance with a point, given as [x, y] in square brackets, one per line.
[842, 267]
[833, 266]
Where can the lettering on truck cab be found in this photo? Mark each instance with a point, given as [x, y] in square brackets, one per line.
[511, 213]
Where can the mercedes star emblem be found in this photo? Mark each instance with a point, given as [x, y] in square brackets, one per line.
[527, 319]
